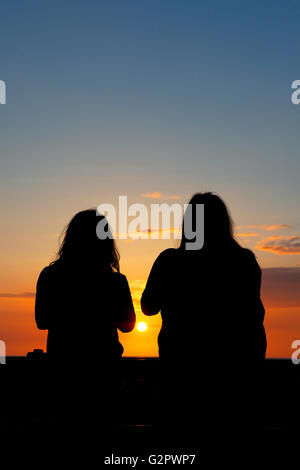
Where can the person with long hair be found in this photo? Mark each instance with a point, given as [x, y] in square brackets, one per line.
[82, 299]
[212, 338]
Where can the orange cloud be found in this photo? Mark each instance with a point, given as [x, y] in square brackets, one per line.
[158, 195]
[162, 230]
[250, 234]
[155, 195]
[147, 233]
[24, 295]
[265, 227]
[276, 227]
[280, 245]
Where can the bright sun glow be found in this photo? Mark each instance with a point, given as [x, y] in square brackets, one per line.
[142, 326]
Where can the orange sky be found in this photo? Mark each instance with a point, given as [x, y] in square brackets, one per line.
[19, 332]
[29, 242]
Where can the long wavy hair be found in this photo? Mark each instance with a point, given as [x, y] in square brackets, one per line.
[80, 244]
[218, 225]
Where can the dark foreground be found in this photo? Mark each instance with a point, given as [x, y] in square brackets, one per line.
[43, 414]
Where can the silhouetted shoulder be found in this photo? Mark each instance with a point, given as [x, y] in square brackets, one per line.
[166, 255]
[248, 253]
[164, 259]
[49, 276]
[119, 279]
[152, 295]
[45, 271]
[43, 300]
[250, 258]
[46, 274]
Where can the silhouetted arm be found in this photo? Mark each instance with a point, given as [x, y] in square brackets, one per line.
[124, 318]
[260, 312]
[254, 310]
[42, 307]
[252, 288]
[151, 298]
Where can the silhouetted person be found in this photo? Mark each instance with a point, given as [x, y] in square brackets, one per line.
[212, 341]
[82, 300]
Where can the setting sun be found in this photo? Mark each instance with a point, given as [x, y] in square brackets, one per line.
[142, 326]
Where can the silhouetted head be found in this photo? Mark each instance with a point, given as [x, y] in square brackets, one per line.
[218, 230]
[81, 246]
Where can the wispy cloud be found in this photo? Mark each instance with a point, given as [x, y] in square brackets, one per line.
[162, 230]
[246, 235]
[276, 227]
[146, 234]
[155, 195]
[158, 195]
[265, 226]
[23, 295]
[280, 245]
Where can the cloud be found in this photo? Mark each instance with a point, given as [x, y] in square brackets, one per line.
[280, 245]
[280, 287]
[250, 234]
[24, 295]
[276, 227]
[265, 227]
[158, 195]
[155, 195]
[146, 234]
[162, 230]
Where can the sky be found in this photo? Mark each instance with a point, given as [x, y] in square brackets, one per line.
[138, 97]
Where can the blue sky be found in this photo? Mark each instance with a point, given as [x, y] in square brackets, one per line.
[127, 97]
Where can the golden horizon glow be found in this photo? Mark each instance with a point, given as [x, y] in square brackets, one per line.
[19, 331]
